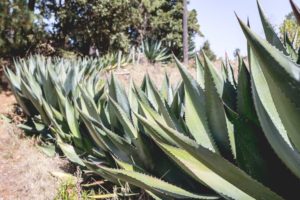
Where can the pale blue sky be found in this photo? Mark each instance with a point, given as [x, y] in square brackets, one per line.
[219, 25]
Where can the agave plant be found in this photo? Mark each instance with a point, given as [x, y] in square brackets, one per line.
[116, 59]
[154, 52]
[44, 88]
[231, 136]
[212, 137]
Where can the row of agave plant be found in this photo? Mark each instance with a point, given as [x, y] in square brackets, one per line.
[214, 136]
[151, 51]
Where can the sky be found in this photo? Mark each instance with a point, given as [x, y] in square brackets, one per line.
[220, 26]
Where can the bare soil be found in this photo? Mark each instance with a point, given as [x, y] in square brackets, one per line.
[156, 73]
[25, 172]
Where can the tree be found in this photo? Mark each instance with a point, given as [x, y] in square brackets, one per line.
[207, 50]
[185, 33]
[112, 25]
[19, 29]
[166, 25]
[81, 24]
[291, 28]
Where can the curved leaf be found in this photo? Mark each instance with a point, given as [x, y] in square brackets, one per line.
[213, 170]
[195, 112]
[153, 184]
[270, 33]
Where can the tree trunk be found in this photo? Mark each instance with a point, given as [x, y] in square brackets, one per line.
[31, 5]
[185, 33]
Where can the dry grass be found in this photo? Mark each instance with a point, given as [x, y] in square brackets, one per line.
[25, 172]
[156, 72]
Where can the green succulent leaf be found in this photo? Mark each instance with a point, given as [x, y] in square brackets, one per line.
[270, 119]
[195, 112]
[153, 184]
[215, 112]
[214, 171]
[270, 33]
[296, 11]
[199, 72]
[70, 153]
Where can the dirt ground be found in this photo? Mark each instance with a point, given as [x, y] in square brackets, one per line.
[157, 72]
[25, 172]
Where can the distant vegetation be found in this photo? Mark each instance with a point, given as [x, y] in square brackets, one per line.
[208, 51]
[289, 30]
[91, 26]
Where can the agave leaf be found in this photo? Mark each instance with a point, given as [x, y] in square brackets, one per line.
[288, 113]
[231, 76]
[53, 123]
[35, 88]
[215, 112]
[195, 110]
[178, 101]
[229, 89]
[124, 150]
[289, 47]
[296, 11]
[150, 125]
[141, 96]
[136, 137]
[70, 153]
[270, 33]
[245, 105]
[73, 122]
[295, 39]
[15, 83]
[35, 101]
[249, 154]
[48, 149]
[57, 115]
[283, 71]
[87, 105]
[114, 142]
[118, 94]
[224, 71]
[154, 196]
[133, 102]
[13, 78]
[153, 184]
[96, 169]
[213, 170]
[127, 166]
[70, 81]
[166, 90]
[199, 71]
[271, 121]
[48, 88]
[98, 137]
[123, 118]
[290, 157]
[166, 167]
[162, 107]
[150, 93]
[61, 99]
[215, 76]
